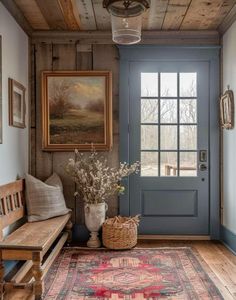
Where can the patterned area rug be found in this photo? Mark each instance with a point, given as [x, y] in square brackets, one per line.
[164, 273]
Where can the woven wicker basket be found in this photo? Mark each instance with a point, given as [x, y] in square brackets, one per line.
[120, 232]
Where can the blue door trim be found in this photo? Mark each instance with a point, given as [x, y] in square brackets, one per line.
[142, 53]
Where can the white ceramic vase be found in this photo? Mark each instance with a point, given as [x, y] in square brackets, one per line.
[95, 215]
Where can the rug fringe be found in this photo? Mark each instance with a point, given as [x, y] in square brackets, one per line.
[135, 248]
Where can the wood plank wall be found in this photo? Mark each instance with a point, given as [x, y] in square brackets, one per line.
[50, 56]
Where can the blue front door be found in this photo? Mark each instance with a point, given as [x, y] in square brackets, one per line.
[169, 135]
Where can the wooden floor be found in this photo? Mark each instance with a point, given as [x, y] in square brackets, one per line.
[213, 256]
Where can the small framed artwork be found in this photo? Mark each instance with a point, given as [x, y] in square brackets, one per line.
[17, 106]
[77, 110]
[0, 90]
[227, 110]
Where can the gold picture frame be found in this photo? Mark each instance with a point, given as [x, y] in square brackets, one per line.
[227, 110]
[76, 110]
[17, 105]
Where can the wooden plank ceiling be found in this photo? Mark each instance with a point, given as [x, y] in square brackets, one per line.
[90, 15]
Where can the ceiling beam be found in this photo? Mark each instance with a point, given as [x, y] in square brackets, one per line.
[228, 20]
[201, 37]
[18, 15]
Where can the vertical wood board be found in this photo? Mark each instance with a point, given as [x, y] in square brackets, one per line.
[53, 14]
[43, 62]
[106, 57]
[69, 16]
[84, 62]
[175, 13]
[103, 18]
[154, 17]
[84, 58]
[64, 59]
[86, 14]
[33, 14]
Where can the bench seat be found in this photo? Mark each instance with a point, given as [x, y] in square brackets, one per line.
[36, 244]
[36, 235]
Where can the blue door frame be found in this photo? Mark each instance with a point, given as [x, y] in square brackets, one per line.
[143, 53]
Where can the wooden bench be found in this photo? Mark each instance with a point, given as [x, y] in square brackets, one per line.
[30, 242]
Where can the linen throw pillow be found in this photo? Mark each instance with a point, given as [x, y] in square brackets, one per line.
[44, 200]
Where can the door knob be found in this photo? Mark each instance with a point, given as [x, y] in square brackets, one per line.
[202, 167]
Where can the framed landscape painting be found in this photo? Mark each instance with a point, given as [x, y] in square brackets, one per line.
[76, 110]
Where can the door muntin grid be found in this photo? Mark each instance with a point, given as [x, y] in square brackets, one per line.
[169, 124]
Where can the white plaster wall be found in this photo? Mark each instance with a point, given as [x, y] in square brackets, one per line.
[14, 150]
[229, 136]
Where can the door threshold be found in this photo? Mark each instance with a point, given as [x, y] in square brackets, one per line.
[174, 237]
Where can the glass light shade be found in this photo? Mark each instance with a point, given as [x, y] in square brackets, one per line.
[126, 30]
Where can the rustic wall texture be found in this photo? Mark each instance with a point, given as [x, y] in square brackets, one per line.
[50, 56]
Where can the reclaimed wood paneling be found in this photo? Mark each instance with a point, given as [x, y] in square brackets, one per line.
[153, 19]
[43, 58]
[84, 58]
[32, 87]
[86, 14]
[106, 57]
[53, 14]
[33, 14]
[175, 14]
[84, 61]
[103, 18]
[90, 14]
[69, 16]
[32, 159]
[72, 56]
[206, 14]
[33, 151]
[64, 58]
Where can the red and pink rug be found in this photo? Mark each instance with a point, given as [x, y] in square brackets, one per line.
[165, 273]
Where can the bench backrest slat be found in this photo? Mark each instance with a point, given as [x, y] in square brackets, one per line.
[11, 203]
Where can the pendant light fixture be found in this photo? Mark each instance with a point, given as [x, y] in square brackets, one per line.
[126, 19]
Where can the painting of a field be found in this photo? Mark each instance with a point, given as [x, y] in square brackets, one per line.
[78, 107]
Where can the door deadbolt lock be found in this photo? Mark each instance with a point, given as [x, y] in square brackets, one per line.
[202, 167]
[203, 155]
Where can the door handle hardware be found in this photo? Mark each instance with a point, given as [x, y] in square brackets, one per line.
[203, 155]
[202, 167]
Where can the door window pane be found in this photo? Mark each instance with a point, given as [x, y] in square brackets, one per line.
[168, 124]
[149, 110]
[188, 137]
[188, 164]
[149, 163]
[169, 164]
[188, 84]
[168, 84]
[149, 137]
[188, 111]
[168, 111]
[149, 84]
[168, 137]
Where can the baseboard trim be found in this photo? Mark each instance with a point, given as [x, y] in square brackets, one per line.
[175, 237]
[228, 238]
